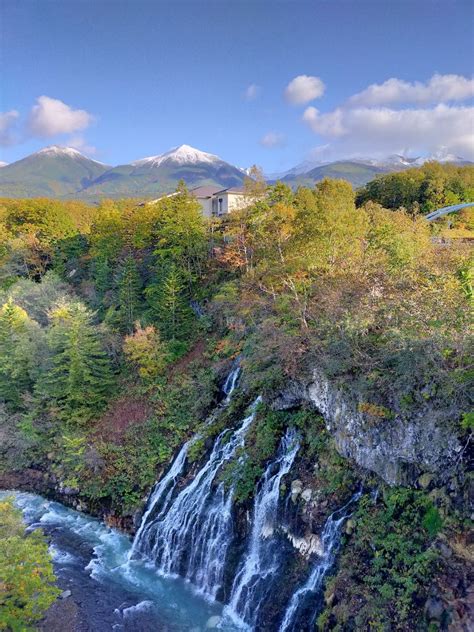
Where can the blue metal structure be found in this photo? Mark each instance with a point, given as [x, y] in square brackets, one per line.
[447, 209]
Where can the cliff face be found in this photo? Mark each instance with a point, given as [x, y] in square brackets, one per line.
[399, 449]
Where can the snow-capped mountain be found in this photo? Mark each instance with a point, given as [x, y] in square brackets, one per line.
[357, 170]
[302, 167]
[182, 155]
[53, 171]
[57, 171]
[398, 161]
[160, 174]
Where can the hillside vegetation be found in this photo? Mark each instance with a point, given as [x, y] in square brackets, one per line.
[118, 321]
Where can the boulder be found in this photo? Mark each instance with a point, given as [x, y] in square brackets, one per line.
[307, 494]
[296, 489]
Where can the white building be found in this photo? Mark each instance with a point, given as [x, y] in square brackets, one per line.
[216, 201]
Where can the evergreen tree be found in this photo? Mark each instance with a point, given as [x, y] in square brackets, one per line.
[129, 294]
[79, 378]
[19, 339]
[169, 303]
[181, 234]
[102, 276]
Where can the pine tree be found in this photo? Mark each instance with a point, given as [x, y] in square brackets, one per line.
[102, 275]
[79, 379]
[18, 351]
[169, 303]
[129, 294]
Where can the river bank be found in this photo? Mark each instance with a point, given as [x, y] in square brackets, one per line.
[102, 590]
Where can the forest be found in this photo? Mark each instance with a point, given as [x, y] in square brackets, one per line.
[118, 321]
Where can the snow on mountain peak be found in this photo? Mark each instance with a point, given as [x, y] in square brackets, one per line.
[61, 151]
[57, 150]
[184, 154]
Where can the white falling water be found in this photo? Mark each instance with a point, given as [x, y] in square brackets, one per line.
[160, 497]
[253, 580]
[231, 383]
[330, 540]
[192, 536]
[162, 493]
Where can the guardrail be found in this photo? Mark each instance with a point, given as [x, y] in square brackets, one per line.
[447, 209]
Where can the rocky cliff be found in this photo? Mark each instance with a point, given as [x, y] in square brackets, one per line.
[400, 448]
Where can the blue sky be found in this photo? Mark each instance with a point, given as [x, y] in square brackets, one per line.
[148, 75]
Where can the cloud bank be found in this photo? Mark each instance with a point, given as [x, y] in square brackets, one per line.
[424, 123]
[439, 89]
[303, 89]
[50, 117]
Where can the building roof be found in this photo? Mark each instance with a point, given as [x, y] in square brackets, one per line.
[205, 191]
[235, 190]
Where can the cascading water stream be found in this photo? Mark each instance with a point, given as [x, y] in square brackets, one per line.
[301, 602]
[260, 565]
[191, 535]
[160, 497]
[162, 493]
[231, 383]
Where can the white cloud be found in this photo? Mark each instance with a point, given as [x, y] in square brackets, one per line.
[79, 142]
[381, 131]
[50, 117]
[303, 89]
[272, 140]
[252, 92]
[7, 123]
[439, 89]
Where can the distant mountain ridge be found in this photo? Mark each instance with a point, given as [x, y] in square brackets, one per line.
[51, 172]
[63, 172]
[358, 171]
[161, 174]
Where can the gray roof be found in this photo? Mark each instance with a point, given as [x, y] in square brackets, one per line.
[235, 190]
[205, 191]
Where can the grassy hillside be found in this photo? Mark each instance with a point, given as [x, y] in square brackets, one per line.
[49, 174]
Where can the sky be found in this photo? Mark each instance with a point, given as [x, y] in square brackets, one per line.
[262, 82]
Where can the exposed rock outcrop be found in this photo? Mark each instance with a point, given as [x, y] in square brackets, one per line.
[398, 448]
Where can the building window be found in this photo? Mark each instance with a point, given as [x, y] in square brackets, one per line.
[214, 206]
[220, 206]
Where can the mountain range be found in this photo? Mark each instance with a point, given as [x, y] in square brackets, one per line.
[63, 172]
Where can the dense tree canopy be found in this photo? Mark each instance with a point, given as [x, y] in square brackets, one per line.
[97, 301]
[424, 189]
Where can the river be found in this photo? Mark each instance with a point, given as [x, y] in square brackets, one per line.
[111, 592]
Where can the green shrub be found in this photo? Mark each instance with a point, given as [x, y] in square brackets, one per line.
[26, 573]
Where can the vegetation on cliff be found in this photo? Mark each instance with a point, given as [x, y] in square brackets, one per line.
[117, 322]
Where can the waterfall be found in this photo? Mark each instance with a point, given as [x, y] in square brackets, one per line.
[192, 535]
[162, 493]
[160, 497]
[231, 383]
[260, 565]
[301, 601]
